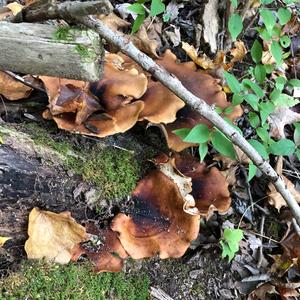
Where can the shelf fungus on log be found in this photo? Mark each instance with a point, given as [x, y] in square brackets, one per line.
[157, 221]
[105, 250]
[101, 124]
[209, 186]
[118, 86]
[203, 86]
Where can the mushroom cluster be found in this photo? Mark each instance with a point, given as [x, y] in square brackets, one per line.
[127, 94]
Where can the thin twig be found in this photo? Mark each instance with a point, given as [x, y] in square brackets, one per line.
[260, 253]
[21, 79]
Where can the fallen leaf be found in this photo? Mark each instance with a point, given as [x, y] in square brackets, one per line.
[52, 236]
[172, 10]
[261, 292]
[274, 198]
[281, 117]
[211, 24]
[3, 239]
[15, 7]
[174, 36]
[12, 89]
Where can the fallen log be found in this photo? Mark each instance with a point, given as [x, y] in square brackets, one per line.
[33, 49]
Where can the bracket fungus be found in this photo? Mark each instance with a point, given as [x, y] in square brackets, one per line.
[157, 222]
[107, 255]
[201, 85]
[209, 186]
[127, 94]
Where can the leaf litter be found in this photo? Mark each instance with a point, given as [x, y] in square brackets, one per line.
[151, 38]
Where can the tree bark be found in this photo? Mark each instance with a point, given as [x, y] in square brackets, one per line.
[31, 49]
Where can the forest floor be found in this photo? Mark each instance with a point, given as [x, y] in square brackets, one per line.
[45, 167]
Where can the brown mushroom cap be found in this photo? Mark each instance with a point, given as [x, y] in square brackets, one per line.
[161, 105]
[157, 224]
[118, 85]
[66, 95]
[12, 89]
[201, 85]
[209, 186]
[109, 255]
[102, 124]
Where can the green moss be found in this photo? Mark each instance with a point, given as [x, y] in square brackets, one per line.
[114, 171]
[39, 280]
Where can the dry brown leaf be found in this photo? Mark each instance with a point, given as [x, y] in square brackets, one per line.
[281, 117]
[15, 7]
[3, 240]
[219, 63]
[114, 22]
[274, 198]
[12, 89]
[211, 24]
[52, 236]
[260, 293]
[142, 41]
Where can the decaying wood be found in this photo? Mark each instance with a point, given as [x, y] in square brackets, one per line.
[31, 175]
[32, 49]
[208, 112]
[49, 9]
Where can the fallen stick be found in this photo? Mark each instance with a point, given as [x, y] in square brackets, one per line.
[208, 112]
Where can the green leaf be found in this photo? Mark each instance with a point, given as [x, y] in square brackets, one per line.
[253, 119]
[222, 144]
[280, 82]
[269, 69]
[282, 147]
[264, 34]
[263, 134]
[294, 82]
[276, 52]
[199, 134]
[182, 132]
[137, 8]
[284, 15]
[266, 108]
[237, 99]
[137, 23]
[298, 154]
[235, 26]
[285, 41]
[265, 2]
[252, 100]
[268, 18]
[297, 134]
[228, 110]
[259, 147]
[275, 94]
[203, 149]
[256, 51]
[252, 171]
[230, 242]
[234, 3]
[285, 100]
[232, 82]
[254, 87]
[260, 73]
[157, 7]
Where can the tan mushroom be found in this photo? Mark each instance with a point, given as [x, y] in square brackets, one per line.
[107, 255]
[157, 223]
